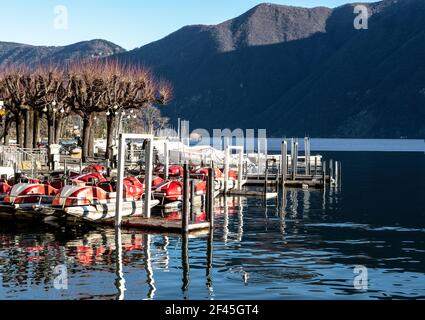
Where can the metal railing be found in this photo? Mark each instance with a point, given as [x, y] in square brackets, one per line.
[23, 159]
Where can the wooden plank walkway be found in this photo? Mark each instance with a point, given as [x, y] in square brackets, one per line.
[160, 224]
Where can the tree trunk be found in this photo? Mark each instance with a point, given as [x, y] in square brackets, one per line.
[58, 129]
[20, 129]
[111, 122]
[28, 129]
[86, 136]
[36, 129]
[6, 134]
[50, 129]
[92, 137]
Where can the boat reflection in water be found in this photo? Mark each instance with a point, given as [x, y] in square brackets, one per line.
[288, 247]
[29, 259]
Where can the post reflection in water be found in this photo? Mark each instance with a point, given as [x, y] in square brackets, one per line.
[167, 258]
[120, 281]
[240, 219]
[282, 214]
[148, 266]
[225, 219]
[294, 203]
[185, 264]
[306, 203]
[210, 248]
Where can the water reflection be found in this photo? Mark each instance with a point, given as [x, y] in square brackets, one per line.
[304, 246]
[120, 281]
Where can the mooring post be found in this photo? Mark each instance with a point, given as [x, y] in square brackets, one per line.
[148, 177]
[340, 174]
[284, 162]
[65, 169]
[240, 169]
[245, 170]
[315, 165]
[258, 159]
[336, 173]
[266, 178]
[324, 172]
[167, 160]
[81, 166]
[331, 170]
[307, 155]
[210, 208]
[295, 161]
[120, 180]
[185, 209]
[226, 169]
[192, 200]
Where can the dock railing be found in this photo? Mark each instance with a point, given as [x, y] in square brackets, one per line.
[23, 159]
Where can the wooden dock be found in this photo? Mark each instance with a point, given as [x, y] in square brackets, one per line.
[172, 226]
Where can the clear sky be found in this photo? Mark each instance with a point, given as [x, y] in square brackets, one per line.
[128, 23]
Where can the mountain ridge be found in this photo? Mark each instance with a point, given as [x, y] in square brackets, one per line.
[292, 70]
[25, 54]
[227, 76]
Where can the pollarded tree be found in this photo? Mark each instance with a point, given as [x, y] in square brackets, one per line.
[22, 92]
[54, 103]
[129, 87]
[87, 88]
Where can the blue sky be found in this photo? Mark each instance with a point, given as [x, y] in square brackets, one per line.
[128, 23]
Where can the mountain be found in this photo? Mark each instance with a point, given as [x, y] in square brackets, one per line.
[297, 70]
[22, 54]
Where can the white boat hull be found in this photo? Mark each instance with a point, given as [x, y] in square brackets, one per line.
[106, 211]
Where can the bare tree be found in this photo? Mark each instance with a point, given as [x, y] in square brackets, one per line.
[82, 88]
[151, 119]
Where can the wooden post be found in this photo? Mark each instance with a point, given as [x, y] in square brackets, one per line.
[284, 162]
[120, 180]
[324, 172]
[340, 174]
[185, 209]
[336, 173]
[258, 158]
[295, 161]
[179, 130]
[307, 155]
[266, 178]
[331, 169]
[81, 166]
[226, 169]
[240, 169]
[192, 200]
[167, 160]
[148, 177]
[315, 165]
[210, 207]
[245, 169]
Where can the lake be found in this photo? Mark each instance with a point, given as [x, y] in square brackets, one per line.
[304, 245]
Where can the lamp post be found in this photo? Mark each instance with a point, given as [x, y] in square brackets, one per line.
[3, 118]
[51, 109]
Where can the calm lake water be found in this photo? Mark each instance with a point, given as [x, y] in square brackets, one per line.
[305, 246]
